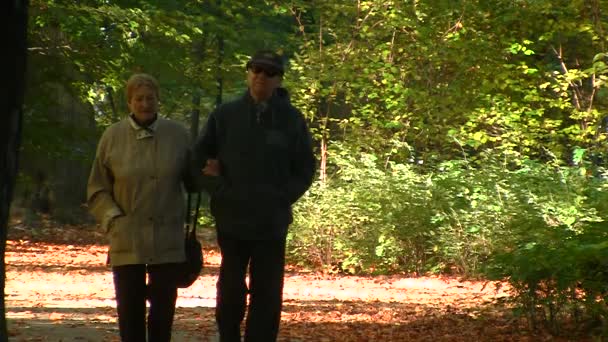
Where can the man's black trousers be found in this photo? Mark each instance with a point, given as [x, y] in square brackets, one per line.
[131, 294]
[266, 261]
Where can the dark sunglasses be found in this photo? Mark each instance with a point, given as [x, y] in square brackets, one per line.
[258, 69]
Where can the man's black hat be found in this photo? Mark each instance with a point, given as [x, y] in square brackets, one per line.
[268, 59]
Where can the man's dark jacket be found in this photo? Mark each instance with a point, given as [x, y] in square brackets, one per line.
[266, 162]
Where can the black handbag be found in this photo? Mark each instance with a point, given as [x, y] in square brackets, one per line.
[189, 270]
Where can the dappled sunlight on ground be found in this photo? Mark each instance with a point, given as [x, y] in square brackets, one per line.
[63, 291]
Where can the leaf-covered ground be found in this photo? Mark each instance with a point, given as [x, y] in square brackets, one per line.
[59, 289]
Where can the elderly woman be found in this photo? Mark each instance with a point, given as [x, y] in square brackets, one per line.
[136, 192]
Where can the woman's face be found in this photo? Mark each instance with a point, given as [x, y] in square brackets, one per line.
[144, 104]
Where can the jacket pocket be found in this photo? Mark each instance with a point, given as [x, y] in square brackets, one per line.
[121, 235]
[171, 234]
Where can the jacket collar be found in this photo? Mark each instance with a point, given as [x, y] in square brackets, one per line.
[143, 132]
[278, 96]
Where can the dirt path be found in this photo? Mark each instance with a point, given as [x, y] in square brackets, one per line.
[62, 292]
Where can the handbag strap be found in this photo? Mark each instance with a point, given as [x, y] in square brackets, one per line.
[192, 220]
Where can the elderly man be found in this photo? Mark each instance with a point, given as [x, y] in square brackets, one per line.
[257, 151]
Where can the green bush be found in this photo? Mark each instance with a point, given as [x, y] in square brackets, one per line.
[365, 218]
[556, 257]
[539, 226]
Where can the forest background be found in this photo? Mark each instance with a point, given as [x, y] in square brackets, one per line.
[453, 136]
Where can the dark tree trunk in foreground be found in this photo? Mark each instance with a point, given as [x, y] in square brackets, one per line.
[13, 33]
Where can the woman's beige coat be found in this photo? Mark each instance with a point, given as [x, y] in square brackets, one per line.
[136, 191]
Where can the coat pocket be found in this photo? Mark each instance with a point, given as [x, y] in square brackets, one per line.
[171, 234]
[121, 235]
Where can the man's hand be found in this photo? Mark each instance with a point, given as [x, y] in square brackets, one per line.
[212, 168]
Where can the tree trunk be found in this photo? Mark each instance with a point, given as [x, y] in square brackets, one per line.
[220, 61]
[14, 34]
[198, 54]
[219, 78]
[195, 114]
[323, 167]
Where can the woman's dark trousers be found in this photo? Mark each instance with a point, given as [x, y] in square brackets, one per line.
[266, 261]
[131, 293]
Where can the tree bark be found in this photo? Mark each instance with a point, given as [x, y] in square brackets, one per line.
[220, 61]
[198, 54]
[219, 78]
[14, 34]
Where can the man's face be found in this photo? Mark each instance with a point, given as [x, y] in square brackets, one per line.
[143, 104]
[262, 81]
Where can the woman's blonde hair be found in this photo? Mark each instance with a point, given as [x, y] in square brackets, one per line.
[139, 80]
